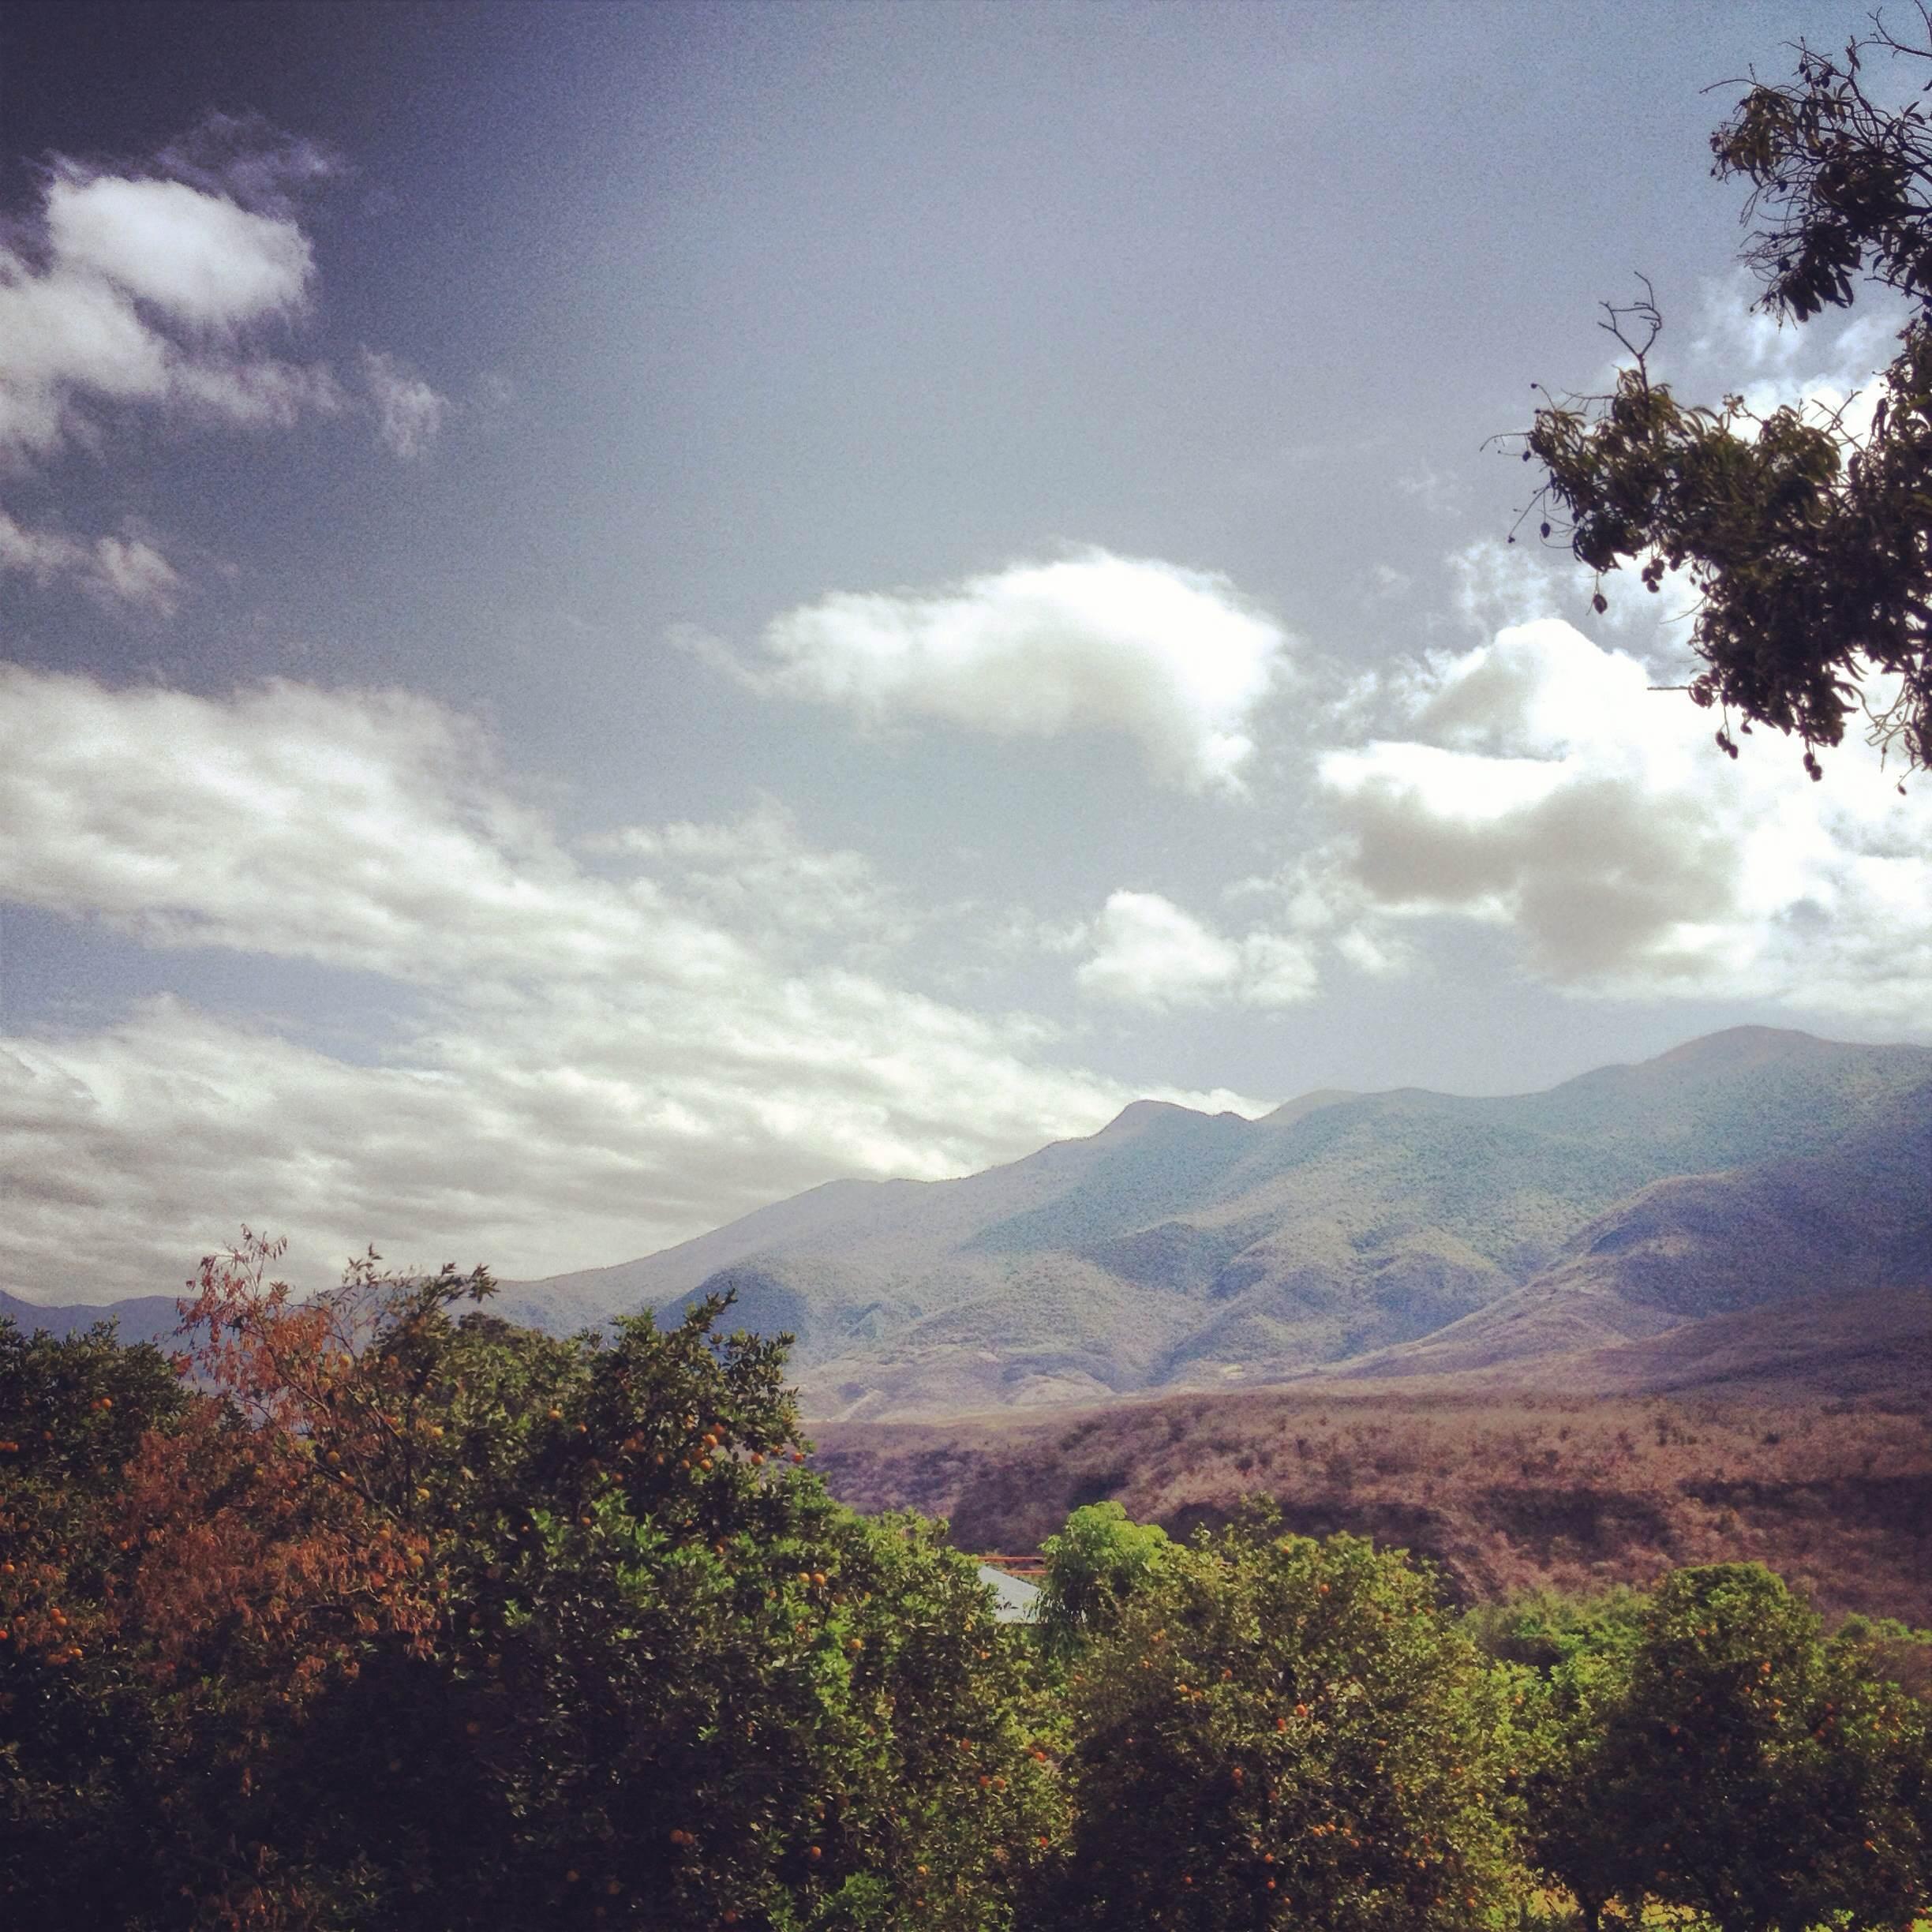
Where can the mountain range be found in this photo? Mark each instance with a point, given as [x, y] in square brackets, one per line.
[1388, 1234]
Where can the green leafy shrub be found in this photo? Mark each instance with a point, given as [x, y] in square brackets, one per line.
[1280, 1732]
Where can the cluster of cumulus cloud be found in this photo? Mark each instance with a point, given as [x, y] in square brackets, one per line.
[1537, 782]
[168, 290]
[596, 1050]
[587, 1060]
[1172, 657]
[588, 1050]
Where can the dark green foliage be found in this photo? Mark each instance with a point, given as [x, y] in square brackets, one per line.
[421, 1620]
[1576, 1657]
[1892, 1650]
[1757, 1774]
[73, 1727]
[1546, 1632]
[1811, 548]
[1708, 1750]
[426, 1621]
[1280, 1732]
[74, 1408]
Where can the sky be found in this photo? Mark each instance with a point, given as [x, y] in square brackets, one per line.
[609, 612]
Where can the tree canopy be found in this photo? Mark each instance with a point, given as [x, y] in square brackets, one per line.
[1807, 538]
[377, 1611]
[410, 1618]
[1708, 1750]
[1094, 1566]
[1274, 1732]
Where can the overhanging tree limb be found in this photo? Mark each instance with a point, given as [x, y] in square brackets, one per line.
[1809, 543]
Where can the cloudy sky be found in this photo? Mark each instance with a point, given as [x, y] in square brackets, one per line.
[608, 611]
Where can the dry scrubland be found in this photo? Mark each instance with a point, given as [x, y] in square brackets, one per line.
[1503, 1493]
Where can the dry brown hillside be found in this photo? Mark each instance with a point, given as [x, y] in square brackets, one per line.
[1572, 1483]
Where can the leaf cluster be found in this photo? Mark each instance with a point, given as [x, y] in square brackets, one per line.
[1809, 545]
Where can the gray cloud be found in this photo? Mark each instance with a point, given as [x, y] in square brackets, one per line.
[601, 1067]
[409, 412]
[126, 571]
[1545, 788]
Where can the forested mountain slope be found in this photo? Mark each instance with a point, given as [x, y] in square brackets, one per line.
[1175, 1249]
[1391, 1235]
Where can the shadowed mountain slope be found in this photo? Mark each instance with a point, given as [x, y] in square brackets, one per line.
[1176, 1249]
[1395, 1235]
[1813, 1228]
[144, 1318]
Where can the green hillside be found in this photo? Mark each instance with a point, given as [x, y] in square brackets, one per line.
[1400, 1233]
[1175, 1249]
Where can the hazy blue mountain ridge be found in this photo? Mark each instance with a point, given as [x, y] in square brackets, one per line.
[144, 1318]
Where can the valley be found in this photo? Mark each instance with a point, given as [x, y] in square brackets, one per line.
[1663, 1313]
[1503, 1490]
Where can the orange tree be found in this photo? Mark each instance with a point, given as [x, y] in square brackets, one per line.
[439, 1622]
[1094, 1566]
[73, 1410]
[1749, 1771]
[695, 1689]
[1281, 1732]
[1574, 1660]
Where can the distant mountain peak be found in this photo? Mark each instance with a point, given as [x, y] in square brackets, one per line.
[1176, 1248]
[1745, 1046]
[1304, 1104]
[1137, 1115]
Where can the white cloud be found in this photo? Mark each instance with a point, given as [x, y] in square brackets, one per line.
[140, 292]
[197, 257]
[145, 291]
[1378, 955]
[757, 874]
[1277, 970]
[1149, 953]
[135, 573]
[1828, 365]
[595, 1067]
[1496, 583]
[1535, 783]
[370, 832]
[1733, 346]
[124, 570]
[1171, 657]
[408, 412]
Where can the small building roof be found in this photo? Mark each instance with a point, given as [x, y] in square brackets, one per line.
[1014, 1600]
